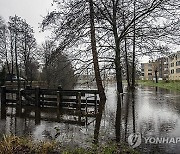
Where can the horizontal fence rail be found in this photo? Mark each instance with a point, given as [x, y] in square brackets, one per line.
[77, 100]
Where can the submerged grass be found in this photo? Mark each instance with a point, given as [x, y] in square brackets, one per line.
[21, 145]
[171, 85]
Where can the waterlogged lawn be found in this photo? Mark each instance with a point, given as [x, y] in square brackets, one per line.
[20, 145]
[171, 85]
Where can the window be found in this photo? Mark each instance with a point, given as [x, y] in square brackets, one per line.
[149, 69]
[149, 73]
[166, 66]
[176, 57]
[178, 70]
[142, 70]
[166, 60]
[178, 63]
[172, 64]
[142, 74]
[172, 71]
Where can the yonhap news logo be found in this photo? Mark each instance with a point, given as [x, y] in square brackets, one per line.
[135, 140]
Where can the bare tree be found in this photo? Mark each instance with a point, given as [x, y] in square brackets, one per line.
[120, 25]
[97, 72]
[27, 48]
[14, 26]
[58, 65]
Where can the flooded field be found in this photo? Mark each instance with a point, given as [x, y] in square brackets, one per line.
[150, 112]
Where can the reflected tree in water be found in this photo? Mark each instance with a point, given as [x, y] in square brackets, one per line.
[129, 101]
[118, 118]
[133, 111]
[126, 114]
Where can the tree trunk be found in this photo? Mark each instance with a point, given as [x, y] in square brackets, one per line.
[117, 52]
[118, 119]
[126, 53]
[117, 62]
[127, 64]
[156, 77]
[118, 75]
[134, 49]
[12, 59]
[97, 73]
[16, 57]
[5, 49]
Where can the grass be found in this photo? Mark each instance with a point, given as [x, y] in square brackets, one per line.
[171, 85]
[20, 145]
[103, 149]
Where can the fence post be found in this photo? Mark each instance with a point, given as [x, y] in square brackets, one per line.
[28, 87]
[59, 100]
[3, 102]
[3, 95]
[78, 98]
[59, 97]
[20, 98]
[95, 104]
[37, 96]
[59, 87]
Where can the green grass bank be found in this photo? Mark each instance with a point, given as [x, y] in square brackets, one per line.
[171, 85]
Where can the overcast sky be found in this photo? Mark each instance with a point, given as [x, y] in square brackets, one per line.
[30, 10]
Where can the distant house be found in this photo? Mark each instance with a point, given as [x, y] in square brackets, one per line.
[166, 67]
[162, 68]
[174, 66]
[146, 71]
[159, 66]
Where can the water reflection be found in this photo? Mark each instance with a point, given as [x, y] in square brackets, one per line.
[133, 111]
[149, 111]
[126, 115]
[3, 111]
[155, 113]
[118, 118]
[37, 116]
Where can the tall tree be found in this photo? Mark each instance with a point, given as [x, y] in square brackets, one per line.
[47, 49]
[14, 27]
[97, 72]
[4, 42]
[134, 47]
[27, 49]
[22, 46]
[61, 70]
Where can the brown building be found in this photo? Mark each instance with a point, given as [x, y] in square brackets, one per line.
[174, 66]
[146, 71]
[159, 66]
[162, 68]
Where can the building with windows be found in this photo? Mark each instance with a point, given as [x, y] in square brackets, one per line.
[167, 68]
[147, 71]
[174, 66]
[162, 67]
[159, 67]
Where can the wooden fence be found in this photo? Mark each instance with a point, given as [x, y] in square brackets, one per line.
[76, 100]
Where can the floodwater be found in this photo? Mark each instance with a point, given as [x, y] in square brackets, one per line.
[154, 113]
